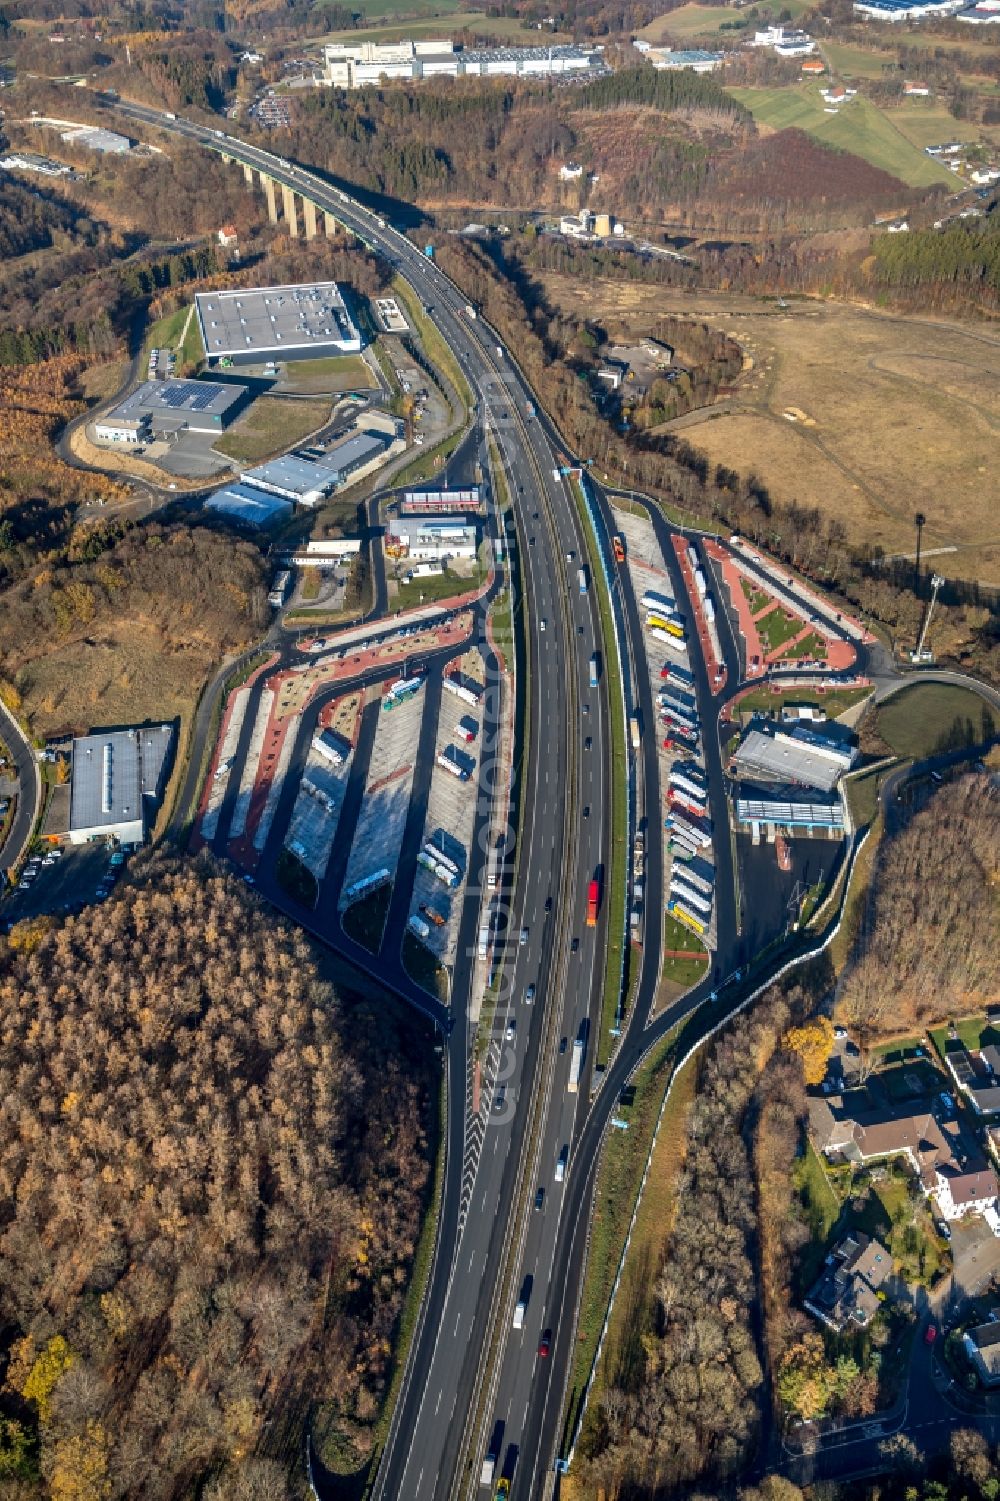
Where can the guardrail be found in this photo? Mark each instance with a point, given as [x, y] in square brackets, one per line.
[724, 1021]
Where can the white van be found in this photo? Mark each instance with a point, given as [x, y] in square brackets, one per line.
[488, 1470]
[561, 1164]
[519, 1312]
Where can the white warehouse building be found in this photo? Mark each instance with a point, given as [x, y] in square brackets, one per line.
[352, 65]
[116, 782]
[430, 538]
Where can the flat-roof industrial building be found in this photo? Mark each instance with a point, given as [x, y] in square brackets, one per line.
[248, 504]
[117, 781]
[295, 479]
[430, 538]
[352, 65]
[798, 756]
[361, 451]
[162, 408]
[245, 325]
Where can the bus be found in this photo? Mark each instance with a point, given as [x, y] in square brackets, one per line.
[676, 909]
[668, 624]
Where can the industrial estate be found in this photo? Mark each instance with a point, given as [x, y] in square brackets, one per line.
[598, 899]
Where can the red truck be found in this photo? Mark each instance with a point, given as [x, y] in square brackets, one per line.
[593, 902]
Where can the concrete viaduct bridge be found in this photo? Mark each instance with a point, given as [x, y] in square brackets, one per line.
[285, 207]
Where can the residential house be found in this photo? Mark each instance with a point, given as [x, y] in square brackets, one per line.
[977, 1075]
[227, 235]
[982, 1346]
[569, 171]
[950, 1168]
[916, 90]
[846, 1294]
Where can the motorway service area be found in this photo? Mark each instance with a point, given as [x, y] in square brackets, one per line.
[683, 815]
[471, 851]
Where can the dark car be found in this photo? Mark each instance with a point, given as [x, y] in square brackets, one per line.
[574, 945]
[562, 1044]
[539, 1197]
[545, 1343]
[548, 904]
[588, 743]
[586, 810]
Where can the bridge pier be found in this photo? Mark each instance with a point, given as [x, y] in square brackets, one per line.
[248, 175]
[272, 206]
[331, 226]
[288, 205]
[309, 218]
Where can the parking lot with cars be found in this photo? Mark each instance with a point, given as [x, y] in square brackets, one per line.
[57, 879]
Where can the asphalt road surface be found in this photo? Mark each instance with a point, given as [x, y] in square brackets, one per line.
[484, 1217]
[29, 780]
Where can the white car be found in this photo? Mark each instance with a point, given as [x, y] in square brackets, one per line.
[509, 1034]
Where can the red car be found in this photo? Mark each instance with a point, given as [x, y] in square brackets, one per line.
[545, 1343]
[931, 1334]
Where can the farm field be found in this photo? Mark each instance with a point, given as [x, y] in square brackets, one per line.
[926, 123]
[906, 412]
[858, 127]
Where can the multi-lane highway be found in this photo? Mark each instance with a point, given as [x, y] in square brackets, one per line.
[471, 1374]
[532, 1114]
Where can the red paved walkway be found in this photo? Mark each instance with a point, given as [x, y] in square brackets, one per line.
[716, 667]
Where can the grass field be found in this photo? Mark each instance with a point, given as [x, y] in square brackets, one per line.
[345, 372]
[438, 18]
[630, 1317]
[618, 1179]
[926, 123]
[756, 598]
[438, 586]
[166, 333]
[270, 426]
[775, 628]
[763, 701]
[812, 646]
[858, 127]
[690, 21]
[906, 414]
[974, 1031]
[932, 717]
[857, 62]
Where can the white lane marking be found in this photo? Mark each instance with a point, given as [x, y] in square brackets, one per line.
[457, 1322]
[471, 1260]
[437, 1404]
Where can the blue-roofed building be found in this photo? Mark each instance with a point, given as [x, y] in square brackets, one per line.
[248, 504]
